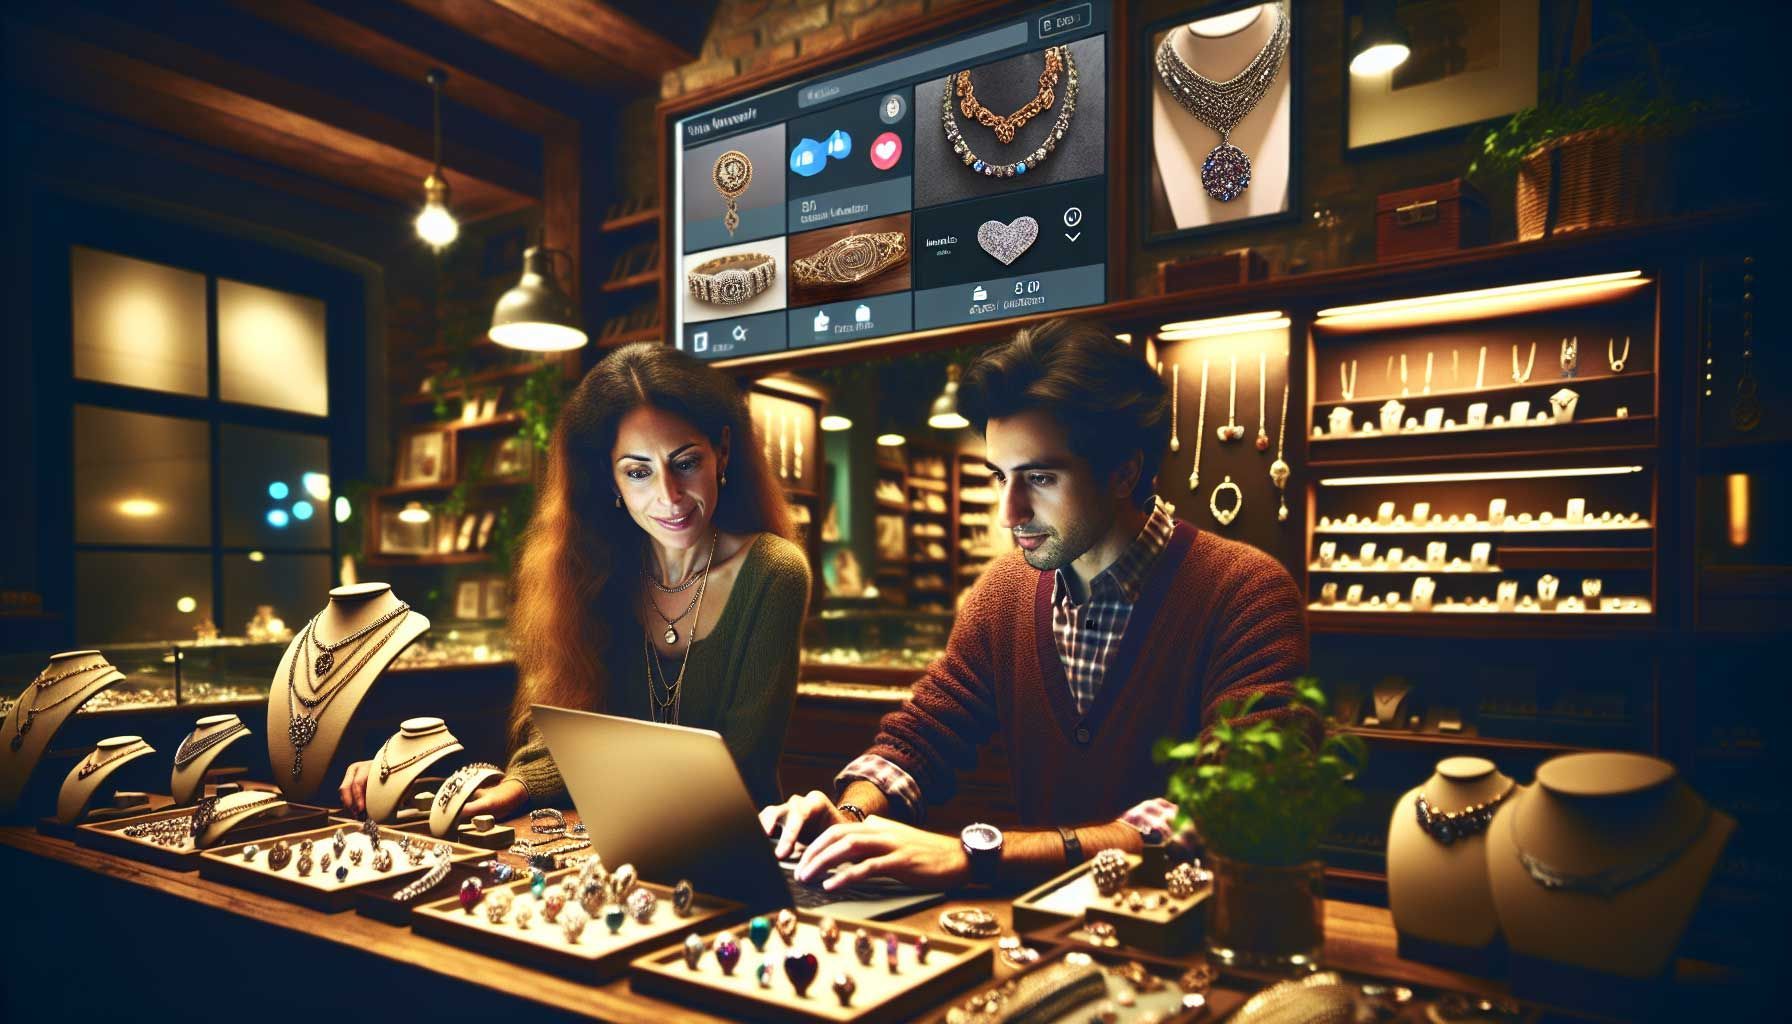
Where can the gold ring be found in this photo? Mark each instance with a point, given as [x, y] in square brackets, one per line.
[731, 280]
[852, 259]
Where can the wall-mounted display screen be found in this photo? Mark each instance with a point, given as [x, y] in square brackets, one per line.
[958, 182]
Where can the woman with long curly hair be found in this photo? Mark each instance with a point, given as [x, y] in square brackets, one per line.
[658, 579]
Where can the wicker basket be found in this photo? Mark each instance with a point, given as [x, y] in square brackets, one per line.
[1592, 179]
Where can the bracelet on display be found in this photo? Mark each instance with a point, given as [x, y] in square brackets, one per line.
[555, 822]
[732, 280]
[431, 878]
[852, 259]
[206, 813]
[459, 780]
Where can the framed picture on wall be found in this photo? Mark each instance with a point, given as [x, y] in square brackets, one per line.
[398, 537]
[1471, 61]
[513, 458]
[497, 598]
[424, 458]
[1214, 69]
[468, 595]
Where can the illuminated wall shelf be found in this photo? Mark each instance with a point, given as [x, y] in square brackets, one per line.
[1509, 527]
[1421, 570]
[1545, 386]
[1635, 432]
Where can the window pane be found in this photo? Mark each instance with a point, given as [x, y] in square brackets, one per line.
[271, 349]
[126, 597]
[136, 323]
[275, 488]
[141, 479]
[293, 586]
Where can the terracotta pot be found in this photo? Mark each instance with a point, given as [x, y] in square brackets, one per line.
[1592, 179]
[1267, 918]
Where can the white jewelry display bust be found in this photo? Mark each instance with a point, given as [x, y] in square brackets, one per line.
[1220, 47]
[186, 781]
[78, 791]
[350, 609]
[1597, 812]
[1439, 893]
[415, 736]
[17, 765]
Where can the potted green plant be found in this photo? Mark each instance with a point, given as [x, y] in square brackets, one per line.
[1260, 795]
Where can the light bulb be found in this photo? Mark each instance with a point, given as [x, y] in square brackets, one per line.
[891, 440]
[1379, 60]
[834, 424]
[413, 512]
[436, 225]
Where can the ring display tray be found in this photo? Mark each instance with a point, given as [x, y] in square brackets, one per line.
[598, 955]
[109, 836]
[1169, 928]
[318, 890]
[1137, 989]
[376, 899]
[1064, 898]
[879, 995]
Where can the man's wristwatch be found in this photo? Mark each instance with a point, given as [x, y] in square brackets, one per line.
[983, 847]
[853, 811]
[1073, 847]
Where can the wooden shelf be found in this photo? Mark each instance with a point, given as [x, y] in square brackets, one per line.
[474, 380]
[927, 483]
[1500, 389]
[1603, 433]
[630, 220]
[1505, 625]
[1423, 570]
[488, 484]
[1364, 529]
[458, 558]
[503, 419]
[641, 280]
[1401, 737]
[1639, 559]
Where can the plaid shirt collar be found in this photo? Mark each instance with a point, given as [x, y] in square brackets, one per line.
[1126, 577]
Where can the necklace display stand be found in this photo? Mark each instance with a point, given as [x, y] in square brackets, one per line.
[1629, 847]
[351, 609]
[1438, 892]
[418, 744]
[209, 737]
[85, 779]
[454, 794]
[87, 674]
[1219, 47]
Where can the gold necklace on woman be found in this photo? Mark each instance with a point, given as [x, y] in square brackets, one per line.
[656, 707]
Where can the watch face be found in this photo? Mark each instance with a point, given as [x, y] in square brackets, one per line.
[981, 837]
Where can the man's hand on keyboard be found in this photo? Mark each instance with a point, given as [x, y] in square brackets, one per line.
[880, 847]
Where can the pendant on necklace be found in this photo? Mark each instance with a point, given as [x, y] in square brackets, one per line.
[671, 636]
[1226, 172]
[324, 663]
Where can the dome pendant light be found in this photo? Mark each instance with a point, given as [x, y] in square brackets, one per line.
[1382, 45]
[536, 315]
[944, 414]
[435, 224]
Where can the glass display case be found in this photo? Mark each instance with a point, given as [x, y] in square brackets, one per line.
[869, 644]
[164, 675]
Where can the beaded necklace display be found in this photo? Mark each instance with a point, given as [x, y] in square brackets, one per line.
[29, 708]
[91, 765]
[1194, 473]
[655, 682]
[1005, 127]
[386, 770]
[1279, 469]
[301, 727]
[1448, 826]
[191, 748]
[1061, 127]
[1226, 172]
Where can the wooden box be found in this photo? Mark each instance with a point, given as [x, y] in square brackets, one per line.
[1444, 217]
[1240, 266]
[318, 890]
[881, 995]
[599, 955]
[109, 836]
[1161, 998]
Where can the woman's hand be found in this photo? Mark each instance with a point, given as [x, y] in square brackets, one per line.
[880, 847]
[353, 790]
[799, 819]
[502, 800]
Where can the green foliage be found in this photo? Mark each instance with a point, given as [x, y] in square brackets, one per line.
[539, 400]
[1267, 792]
[1505, 146]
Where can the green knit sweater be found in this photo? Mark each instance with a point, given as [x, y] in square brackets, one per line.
[741, 681]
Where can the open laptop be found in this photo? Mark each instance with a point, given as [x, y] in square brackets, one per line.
[669, 800]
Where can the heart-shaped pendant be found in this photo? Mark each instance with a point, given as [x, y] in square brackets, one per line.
[1006, 242]
[801, 968]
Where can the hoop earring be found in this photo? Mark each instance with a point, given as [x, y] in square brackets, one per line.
[722, 481]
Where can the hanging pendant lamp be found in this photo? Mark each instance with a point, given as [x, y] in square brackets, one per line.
[944, 414]
[435, 225]
[536, 315]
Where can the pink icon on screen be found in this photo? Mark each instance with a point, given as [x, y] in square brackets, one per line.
[886, 150]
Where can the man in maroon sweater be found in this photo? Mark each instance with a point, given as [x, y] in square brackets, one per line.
[1114, 625]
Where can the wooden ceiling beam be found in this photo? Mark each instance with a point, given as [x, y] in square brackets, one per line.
[172, 102]
[370, 46]
[590, 42]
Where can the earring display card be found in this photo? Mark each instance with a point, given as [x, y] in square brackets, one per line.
[595, 953]
[876, 991]
[112, 836]
[1117, 985]
[321, 889]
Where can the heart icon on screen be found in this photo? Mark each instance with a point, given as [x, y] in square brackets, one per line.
[886, 150]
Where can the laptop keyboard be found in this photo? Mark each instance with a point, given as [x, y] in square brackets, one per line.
[808, 897]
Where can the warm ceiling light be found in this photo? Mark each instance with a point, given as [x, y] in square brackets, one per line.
[1464, 477]
[343, 509]
[435, 225]
[186, 606]
[944, 414]
[1219, 326]
[891, 440]
[834, 424]
[1736, 487]
[316, 484]
[413, 512]
[256, 556]
[1127, 337]
[1382, 45]
[535, 315]
[139, 508]
[1532, 297]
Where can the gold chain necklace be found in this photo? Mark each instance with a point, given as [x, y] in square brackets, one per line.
[675, 690]
[1005, 127]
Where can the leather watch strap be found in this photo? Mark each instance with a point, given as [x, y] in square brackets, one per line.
[1073, 847]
